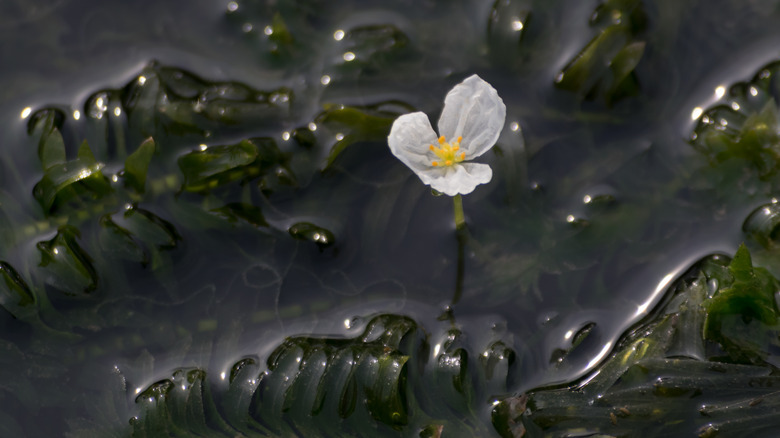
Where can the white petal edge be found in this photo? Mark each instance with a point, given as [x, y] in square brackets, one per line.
[409, 138]
[458, 179]
[473, 110]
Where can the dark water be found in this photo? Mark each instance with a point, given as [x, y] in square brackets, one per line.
[595, 207]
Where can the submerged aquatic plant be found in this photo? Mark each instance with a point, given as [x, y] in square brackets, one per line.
[472, 119]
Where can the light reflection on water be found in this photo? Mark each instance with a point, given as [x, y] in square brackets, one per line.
[556, 251]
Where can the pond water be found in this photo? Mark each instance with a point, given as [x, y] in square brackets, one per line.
[598, 204]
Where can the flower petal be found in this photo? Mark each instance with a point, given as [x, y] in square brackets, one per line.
[457, 179]
[409, 139]
[474, 111]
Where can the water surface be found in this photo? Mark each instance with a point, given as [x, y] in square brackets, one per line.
[596, 206]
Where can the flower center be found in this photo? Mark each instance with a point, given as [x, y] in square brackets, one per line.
[448, 153]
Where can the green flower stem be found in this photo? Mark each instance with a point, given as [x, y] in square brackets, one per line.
[462, 235]
[460, 220]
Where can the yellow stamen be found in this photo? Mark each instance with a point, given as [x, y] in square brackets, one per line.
[447, 152]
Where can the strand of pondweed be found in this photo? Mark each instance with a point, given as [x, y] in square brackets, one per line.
[157, 187]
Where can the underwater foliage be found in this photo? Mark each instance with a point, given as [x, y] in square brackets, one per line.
[742, 129]
[703, 352]
[225, 246]
[384, 382]
[703, 364]
[605, 67]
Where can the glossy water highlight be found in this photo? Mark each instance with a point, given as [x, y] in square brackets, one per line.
[235, 244]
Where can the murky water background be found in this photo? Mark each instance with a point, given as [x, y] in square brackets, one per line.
[593, 210]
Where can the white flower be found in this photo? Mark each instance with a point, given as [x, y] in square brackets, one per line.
[470, 123]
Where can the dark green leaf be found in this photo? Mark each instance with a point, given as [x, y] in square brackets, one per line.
[239, 210]
[117, 242]
[85, 154]
[374, 47]
[751, 295]
[238, 397]
[150, 228]
[193, 104]
[60, 177]
[137, 164]
[65, 265]
[46, 125]
[357, 124]
[605, 66]
[304, 137]
[58, 183]
[586, 70]
[138, 235]
[207, 169]
[312, 233]
[52, 149]
[622, 66]
[280, 33]
[15, 296]
[387, 395]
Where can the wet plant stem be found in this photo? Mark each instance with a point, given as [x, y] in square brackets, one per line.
[462, 235]
[460, 231]
[460, 220]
